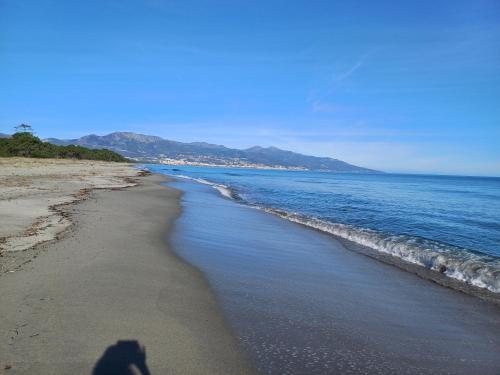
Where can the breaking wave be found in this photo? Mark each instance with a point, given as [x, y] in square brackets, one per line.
[480, 270]
[222, 189]
[467, 266]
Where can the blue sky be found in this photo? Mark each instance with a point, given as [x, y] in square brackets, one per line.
[410, 86]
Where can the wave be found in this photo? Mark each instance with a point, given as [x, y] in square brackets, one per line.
[222, 189]
[469, 267]
[475, 269]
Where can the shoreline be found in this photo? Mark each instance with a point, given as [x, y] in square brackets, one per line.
[131, 267]
[301, 302]
[427, 273]
[422, 272]
[113, 276]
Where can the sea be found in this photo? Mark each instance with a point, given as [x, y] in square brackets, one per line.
[449, 224]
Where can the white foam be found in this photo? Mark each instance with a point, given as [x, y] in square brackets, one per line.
[479, 270]
[222, 189]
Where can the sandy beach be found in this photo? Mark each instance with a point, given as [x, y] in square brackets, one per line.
[33, 193]
[104, 265]
[110, 276]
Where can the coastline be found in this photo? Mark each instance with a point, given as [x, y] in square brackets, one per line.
[113, 276]
[301, 302]
[207, 298]
[438, 261]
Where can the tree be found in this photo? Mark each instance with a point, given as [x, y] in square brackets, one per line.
[23, 128]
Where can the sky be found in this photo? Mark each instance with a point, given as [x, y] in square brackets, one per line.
[399, 86]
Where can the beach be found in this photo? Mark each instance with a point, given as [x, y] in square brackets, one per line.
[111, 275]
[33, 193]
[108, 265]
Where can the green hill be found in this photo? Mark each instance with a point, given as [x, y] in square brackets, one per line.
[25, 144]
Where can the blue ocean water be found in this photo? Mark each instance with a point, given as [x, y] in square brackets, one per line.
[446, 223]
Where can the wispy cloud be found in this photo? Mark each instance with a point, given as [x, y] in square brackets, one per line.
[344, 75]
[349, 72]
[320, 98]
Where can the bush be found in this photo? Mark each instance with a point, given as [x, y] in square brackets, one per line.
[26, 144]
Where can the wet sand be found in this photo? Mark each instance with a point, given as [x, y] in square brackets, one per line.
[113, 277]
[301, 303]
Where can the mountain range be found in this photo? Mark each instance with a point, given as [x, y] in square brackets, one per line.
[147, 148]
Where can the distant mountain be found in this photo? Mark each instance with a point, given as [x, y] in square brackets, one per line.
[155, 149]
[3, 135]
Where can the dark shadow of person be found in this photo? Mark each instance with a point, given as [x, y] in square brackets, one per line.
[126, 357]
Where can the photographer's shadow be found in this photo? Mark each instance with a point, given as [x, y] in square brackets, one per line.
[126, 357]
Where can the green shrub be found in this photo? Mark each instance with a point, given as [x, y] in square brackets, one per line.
[26, 144]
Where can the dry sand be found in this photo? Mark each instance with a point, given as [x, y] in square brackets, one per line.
[33, 191]
[110, 277]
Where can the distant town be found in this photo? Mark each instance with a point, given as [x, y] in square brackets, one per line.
[209, 162]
